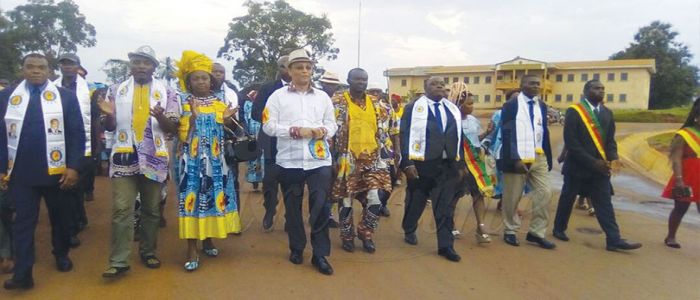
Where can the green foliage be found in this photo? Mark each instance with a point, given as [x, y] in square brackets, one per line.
[675, 80]
[117, 70]
[43, 26]
[271, 30]
[672, 115]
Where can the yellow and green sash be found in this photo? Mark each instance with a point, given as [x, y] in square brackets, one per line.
[590, 120]
[477, 167]
[691, 137]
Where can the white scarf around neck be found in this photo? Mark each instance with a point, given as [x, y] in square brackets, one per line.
[419, 127]
[529, 140]
[82, 91]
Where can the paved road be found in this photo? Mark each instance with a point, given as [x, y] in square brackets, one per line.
[254, 265]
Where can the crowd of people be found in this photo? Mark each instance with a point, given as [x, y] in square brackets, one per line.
[339, 144]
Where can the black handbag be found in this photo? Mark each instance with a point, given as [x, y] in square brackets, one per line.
[240, 147]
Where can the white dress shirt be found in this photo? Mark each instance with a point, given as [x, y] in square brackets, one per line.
[288, 108]
[443, 111]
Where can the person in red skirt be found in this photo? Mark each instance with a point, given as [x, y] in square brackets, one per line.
[684, 185]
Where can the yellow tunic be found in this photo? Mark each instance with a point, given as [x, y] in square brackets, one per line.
[362, 128]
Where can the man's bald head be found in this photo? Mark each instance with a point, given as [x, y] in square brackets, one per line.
[434, 88]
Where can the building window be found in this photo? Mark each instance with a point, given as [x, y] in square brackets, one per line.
[611, 76]
[569, 98]
[499, 77]
[487, 79]
[611, 97]
[557, 98]
[584, 77]
[466, 80]
[623, 98]
[487, 98]
[570, 77]
[455, 79]
[403, 82]
[498, 98]
[446, 80]
[560, 77]
[623, 76]
[476, 79]
[596, 76]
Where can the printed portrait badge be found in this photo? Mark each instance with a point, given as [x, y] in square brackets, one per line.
[319, 149]
[16, 100]
[49, 96]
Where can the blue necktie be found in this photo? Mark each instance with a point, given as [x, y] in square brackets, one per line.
[438, 116]
[530, 106]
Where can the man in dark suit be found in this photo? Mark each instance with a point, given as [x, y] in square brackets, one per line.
[30, 180]
[435, 173]
[586, 169]
[269, 144]
[526, 157]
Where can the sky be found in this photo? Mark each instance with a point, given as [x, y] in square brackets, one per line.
[396, 33]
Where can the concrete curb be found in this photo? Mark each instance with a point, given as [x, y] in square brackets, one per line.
[638, 155]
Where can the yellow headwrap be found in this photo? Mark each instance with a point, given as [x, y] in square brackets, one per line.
[192, 61]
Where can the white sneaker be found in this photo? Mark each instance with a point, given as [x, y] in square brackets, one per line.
[456, 233]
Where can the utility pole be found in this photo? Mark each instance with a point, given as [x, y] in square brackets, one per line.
[359, 31]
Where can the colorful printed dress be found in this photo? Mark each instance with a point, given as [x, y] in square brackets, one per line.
[255, 167]
[206, 194]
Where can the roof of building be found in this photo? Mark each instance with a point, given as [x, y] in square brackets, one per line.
[649, 64]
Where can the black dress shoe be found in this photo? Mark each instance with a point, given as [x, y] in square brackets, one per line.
[369, 246]
[268, 222]
[511, 239]
[74, 241]
[349, 246]
[623, 245]
[64, 264]
[13, 284]
[544, 243]
[332, 223]
[384, 211]
[296, 257]
[449, 253]
[322, 265]
[410, 238]
[560, 235]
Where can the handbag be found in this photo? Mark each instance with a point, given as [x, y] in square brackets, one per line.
[238, 148]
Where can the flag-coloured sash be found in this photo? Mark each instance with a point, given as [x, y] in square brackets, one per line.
[477, 167]
[590, 120]
[691, 137]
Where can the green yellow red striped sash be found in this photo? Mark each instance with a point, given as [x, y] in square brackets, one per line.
[691, 137]
[590, 120]
[477, 168]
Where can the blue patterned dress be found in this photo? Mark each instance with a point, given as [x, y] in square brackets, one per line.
[206, 194]
[256, 170]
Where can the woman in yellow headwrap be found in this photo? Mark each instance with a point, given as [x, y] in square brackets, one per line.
[207, 197]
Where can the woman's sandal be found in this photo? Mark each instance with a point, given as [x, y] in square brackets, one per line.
[674, 245]
[150, 261]
[192, 265]
[482, 238]
[211, 252]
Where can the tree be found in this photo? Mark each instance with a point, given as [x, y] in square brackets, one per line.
[50, 28]
[117, 70]
[9, 55]
[675, 80]
[270, 30]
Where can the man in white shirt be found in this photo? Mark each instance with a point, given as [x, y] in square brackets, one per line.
[302, 119]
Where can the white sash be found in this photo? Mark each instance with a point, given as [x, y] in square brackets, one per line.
[55, 135]
[229, 95]
[419, 124]
[82, 90]
[529, 141]
[125, 139]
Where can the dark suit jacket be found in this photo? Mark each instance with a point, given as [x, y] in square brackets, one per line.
[436, 143]
[509, 149]
[582, 152]
[31, 167]
[267, 143]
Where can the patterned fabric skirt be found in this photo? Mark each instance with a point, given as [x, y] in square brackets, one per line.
[365, 176]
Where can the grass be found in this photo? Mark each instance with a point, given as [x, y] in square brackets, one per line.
[671, 115]
[661, 142]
